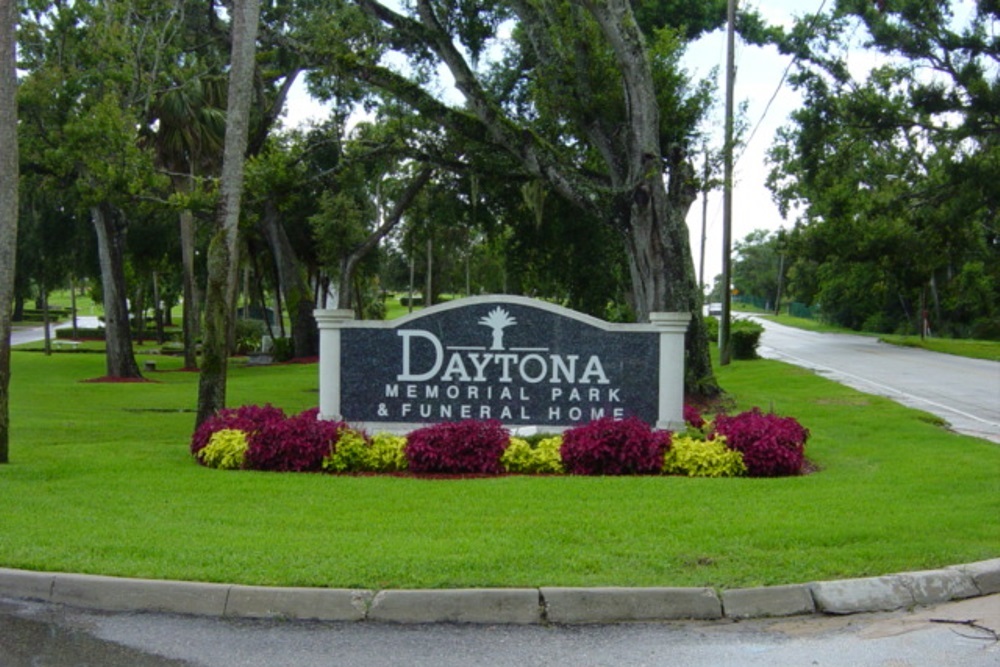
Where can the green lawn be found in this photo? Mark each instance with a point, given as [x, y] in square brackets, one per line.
[100, 481]
[977, 349]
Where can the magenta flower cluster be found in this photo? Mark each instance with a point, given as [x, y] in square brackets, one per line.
[458, 447]
[771, 446]
[614, 447]
[248, 418]
[296, 444]
[692, 417]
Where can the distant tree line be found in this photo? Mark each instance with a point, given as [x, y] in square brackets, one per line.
[892, 175]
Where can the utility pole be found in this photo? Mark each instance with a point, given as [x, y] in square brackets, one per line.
[725, 346]
[781, 270]
[704, 224]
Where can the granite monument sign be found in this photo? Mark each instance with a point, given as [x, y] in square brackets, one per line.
[522, 361]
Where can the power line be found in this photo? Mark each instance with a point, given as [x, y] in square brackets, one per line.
[781, 84]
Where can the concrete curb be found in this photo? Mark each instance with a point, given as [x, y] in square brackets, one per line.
[471, 605]
[505, 605]
[616, 605]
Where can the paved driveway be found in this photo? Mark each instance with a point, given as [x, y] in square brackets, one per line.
[964, 392]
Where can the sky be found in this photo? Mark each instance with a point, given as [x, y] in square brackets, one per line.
[759, 77]
[759, 73]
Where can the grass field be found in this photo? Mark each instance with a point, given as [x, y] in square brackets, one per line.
[101, 481]
[977, 349]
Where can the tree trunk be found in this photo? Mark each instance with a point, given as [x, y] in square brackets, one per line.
[429, 278]
[157, 309]
[215, 352]
[72, 302]
[293, 285]
[139, 314]
[223, 264]
[659, 249]
[43, 293]
[348, 294]
[8, 205]
[111, 252]
[190, 312]
[662, 271]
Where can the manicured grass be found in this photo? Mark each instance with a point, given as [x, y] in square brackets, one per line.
[101, 481]
[394, 309]
[977, 349]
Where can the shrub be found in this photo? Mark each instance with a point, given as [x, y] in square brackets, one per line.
[458, 447]
[614, 447]
[772, 446]
[284, 349]
[712, 328]
[692, 417]
[387, 453]
[521, 457]
[247, 335]
[355, 452]
[296, 444]
[226, 450]
[745, 337]
[349, 454]
[702, 458]
[249, 419]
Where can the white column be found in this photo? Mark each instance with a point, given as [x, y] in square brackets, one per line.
[672, 327]
[330, 323]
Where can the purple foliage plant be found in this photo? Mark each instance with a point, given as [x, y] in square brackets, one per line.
[614, 447]
[296, 444]
[772, 446]
[248, 418]
[465, 447]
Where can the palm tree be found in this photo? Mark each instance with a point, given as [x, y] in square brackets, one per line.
[189, 123]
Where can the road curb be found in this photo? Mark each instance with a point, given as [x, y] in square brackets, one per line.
[558, 605]
[514, 606]
[617, 605]
[791, 600]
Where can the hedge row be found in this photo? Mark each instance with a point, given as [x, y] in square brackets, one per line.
[751, 444]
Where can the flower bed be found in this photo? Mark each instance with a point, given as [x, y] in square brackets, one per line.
[752, 443]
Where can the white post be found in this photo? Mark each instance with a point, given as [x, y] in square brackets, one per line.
[673, 327]
[330, 323]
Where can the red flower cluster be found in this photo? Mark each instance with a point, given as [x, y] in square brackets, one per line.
[458, 447]
[614, 447]
[772, 446]
[692, 417]
[249, 419]
[296, 444]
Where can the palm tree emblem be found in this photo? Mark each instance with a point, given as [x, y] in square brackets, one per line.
[498, 320]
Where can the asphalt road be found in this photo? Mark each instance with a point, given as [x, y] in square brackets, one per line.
[963, 392]
[30, 334]
[948, 635]
[21, 335]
